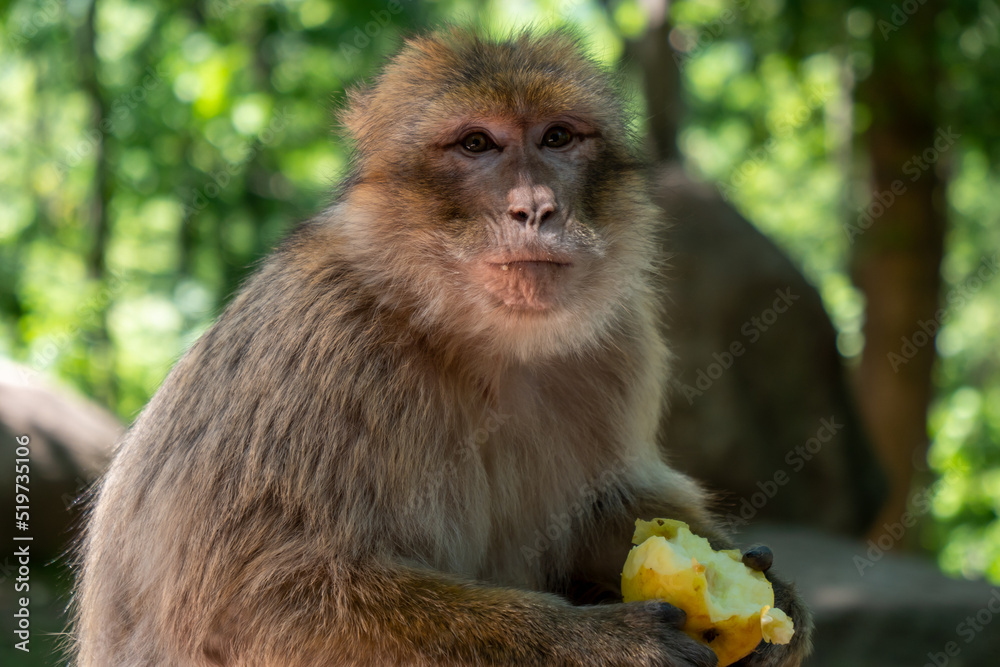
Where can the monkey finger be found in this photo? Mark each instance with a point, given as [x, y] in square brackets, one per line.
[685, 651]
[666, 613]
[758, 558]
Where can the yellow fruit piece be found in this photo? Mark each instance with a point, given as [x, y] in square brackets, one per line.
[729, 607]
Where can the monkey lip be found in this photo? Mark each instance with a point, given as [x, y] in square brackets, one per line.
[526, 282]
[528, 265]
[529, 261]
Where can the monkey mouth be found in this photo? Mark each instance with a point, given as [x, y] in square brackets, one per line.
[527, 283]
[529, 265]
[529, 260]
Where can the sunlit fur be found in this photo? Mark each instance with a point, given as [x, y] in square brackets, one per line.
[355, 463]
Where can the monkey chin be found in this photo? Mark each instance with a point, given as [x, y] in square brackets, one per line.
[536, 310]
[533, 304]
[527, 286]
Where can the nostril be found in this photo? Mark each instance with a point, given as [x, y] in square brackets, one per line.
[546, 214]
[520, 216]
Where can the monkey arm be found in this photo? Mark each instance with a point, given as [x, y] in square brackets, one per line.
[650, 490]
[388, 613]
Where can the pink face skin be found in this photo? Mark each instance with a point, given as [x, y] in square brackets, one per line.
[520, 178]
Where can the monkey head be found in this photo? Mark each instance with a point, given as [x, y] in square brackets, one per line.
[495, 192]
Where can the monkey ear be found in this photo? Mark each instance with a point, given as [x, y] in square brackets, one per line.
[354, 118]
[358, 117]
[350, 117]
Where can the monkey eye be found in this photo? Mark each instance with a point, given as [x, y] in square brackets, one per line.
[557, 137]
[477, 142]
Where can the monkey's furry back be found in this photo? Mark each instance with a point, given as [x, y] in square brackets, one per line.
[303, 438]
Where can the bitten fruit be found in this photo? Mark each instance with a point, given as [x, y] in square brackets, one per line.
[729, 606]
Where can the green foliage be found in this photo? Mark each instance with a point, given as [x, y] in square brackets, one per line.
[774, 124]
[203, 130]
[210, 127]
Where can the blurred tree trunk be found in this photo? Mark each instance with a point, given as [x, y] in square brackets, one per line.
[104, 385]
[897, 243]
[661, 83]
[89, 62]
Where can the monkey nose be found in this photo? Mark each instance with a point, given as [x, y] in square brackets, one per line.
[533, 214]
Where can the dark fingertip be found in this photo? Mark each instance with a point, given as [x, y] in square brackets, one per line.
[758, 558]
[705, 657]
[667, 613]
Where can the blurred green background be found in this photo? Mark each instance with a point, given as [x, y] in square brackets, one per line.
[151, 152]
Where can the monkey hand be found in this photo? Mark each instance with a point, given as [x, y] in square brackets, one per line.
[655, 635]
[730, 605]
[760, 558]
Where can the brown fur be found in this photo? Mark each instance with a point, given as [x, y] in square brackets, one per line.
[389, 450]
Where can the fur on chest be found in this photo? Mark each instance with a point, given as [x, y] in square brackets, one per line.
[518, 483]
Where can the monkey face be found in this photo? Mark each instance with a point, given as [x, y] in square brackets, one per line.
[503, 174]
[515, 214]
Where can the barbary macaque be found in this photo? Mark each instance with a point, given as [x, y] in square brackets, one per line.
[479, 299]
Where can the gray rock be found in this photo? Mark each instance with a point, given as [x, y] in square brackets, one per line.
[759, 402]
[71, 440]
[877, 608]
